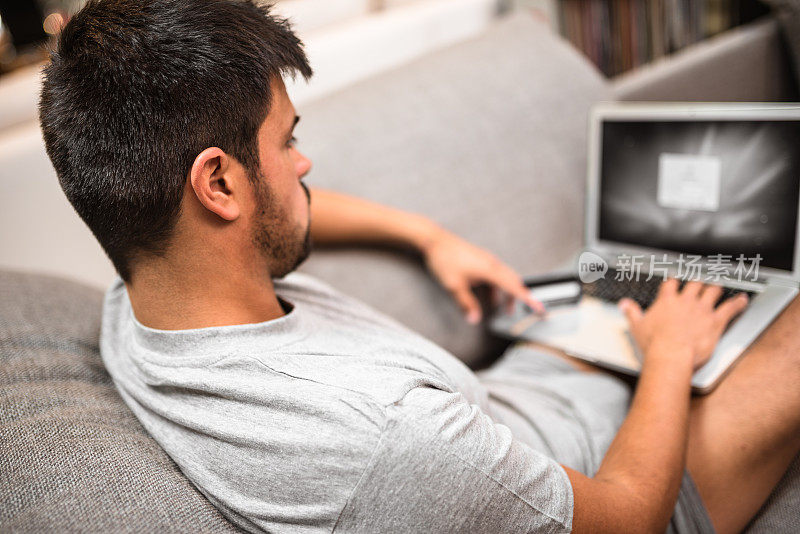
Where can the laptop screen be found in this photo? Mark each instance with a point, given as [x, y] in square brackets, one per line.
[703, 187]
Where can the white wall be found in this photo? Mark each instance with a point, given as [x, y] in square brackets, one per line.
[39, 230]
[344, 53]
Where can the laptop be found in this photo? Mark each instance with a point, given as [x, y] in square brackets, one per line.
[696, 191]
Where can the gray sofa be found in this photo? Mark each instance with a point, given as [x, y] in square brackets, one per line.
[486, 137]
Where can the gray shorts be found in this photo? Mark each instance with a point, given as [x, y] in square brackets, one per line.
[572, 416]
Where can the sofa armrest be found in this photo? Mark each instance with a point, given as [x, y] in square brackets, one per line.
[746, 64]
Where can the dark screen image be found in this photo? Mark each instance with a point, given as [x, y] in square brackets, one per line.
[702, 187]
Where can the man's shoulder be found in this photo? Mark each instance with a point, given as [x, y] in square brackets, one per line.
[443, 464]
[308, 289]
[301, 281]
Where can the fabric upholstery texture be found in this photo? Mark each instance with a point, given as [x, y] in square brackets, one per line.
[745, 64]
[72, 456]
[509, 176]
[488, 138]
[781, 513]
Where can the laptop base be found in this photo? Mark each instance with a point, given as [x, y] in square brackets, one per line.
[597, 332]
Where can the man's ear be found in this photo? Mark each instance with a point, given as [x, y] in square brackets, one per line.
[212, 180]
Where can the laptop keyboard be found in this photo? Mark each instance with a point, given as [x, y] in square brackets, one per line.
[642, 291]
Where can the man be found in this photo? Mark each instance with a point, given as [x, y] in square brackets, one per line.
[295, 408]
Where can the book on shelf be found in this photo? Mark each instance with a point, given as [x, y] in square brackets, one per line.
[620, 35]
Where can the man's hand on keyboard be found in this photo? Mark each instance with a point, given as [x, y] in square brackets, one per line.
[684, 318]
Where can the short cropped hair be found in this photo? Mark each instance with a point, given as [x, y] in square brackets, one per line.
[136, 89]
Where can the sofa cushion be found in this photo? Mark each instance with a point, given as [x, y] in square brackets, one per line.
[780, 514]
[487, 137]
[72, 456]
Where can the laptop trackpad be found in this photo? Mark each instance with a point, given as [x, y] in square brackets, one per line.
[592, 329]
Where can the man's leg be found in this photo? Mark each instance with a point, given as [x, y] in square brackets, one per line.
[745, 433]
[577, 363]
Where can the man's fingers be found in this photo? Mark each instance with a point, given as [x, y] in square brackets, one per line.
[518, 289]
[731, 307]
[469, 303]
[668, 287]
[631, 309]
[692, 288]
[507, 280]
[710, 295]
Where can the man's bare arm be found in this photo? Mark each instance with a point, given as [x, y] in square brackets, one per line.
[455, 263]
[338, 218]
[637, 485]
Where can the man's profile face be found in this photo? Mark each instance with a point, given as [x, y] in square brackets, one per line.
[281, 219]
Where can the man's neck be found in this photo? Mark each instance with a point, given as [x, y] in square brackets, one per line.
[182, 301]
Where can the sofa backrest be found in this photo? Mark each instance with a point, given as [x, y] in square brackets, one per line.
[487, 137]
[72, 455]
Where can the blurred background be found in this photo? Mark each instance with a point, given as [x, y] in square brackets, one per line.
[350, 40]
[362, 37]
[622, 49]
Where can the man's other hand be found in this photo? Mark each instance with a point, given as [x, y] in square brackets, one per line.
[459, 265]
[683, 318]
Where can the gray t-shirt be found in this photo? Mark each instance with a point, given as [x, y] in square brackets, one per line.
[331, 418]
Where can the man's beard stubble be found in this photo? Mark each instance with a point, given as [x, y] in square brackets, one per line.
[283, 247]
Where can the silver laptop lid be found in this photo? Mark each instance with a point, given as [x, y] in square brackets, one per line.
[717, 180]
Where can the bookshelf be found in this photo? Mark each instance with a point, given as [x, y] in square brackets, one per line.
[621, 35]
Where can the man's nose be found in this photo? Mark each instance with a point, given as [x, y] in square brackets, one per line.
[302, 165]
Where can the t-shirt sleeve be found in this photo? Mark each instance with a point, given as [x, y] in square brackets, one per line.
[443, 465]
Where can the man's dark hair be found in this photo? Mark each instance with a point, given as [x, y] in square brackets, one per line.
[136, 89]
